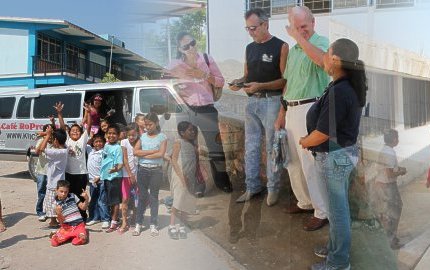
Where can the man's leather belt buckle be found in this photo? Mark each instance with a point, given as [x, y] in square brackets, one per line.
[301, 102]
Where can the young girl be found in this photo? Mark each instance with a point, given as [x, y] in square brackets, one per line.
[76, 170]
[140, 122]
[150, 149]
[128, 172]
[184, 163]
[96, 113]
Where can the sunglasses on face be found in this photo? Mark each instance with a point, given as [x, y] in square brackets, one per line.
[189, 45]
[252, 28]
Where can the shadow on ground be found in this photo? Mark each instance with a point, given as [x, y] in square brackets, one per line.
[24, 175]
[13, 218]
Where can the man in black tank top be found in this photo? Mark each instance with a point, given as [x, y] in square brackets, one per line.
[263, 83]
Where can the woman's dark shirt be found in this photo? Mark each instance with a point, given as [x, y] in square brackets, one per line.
[344, 127]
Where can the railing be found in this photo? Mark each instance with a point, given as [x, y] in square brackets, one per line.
[71, 65]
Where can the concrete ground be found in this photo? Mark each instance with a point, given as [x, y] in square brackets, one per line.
[25, 244]
[224, 235]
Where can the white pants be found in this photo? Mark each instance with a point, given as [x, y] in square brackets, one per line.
[307, 188]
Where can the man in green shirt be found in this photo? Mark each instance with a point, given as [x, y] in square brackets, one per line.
[306, 81]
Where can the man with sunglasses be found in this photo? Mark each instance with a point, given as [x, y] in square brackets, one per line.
[306, 81]
[263, 83]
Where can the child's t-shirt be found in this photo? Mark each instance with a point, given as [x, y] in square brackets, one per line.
[94, 163]
[112, 155]
[77, 162]
[132, 160]
[387, 159]
[70, 209]
[151, 143]
[42, 161]
[56, 167]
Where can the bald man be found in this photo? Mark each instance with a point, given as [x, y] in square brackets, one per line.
[306, 81]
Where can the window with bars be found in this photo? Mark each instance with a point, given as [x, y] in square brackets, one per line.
[340, 4]
[318, 6]
[49, 49]
[281, 6]
[393, 3]
[263, 4]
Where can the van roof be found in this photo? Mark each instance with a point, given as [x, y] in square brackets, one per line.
[95, 87]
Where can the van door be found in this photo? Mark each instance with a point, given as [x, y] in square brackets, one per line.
[161, 101]
[7, 124]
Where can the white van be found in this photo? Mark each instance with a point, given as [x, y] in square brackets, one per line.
[23, 113]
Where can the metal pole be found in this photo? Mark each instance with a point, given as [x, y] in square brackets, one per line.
[110, 59]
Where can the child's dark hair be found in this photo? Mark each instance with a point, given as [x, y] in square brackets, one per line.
[78, 126]
[105, 120]
[182, 127]
[153, 117]
[132, 126]
[98, 137]
[47, 125]
[114, 126]
[60, 135]
[122, 127]
[63, 183]
[390, 135]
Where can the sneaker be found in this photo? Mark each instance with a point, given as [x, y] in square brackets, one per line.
[92, 222]
[248, 196]
[137, 230]
[321, 251]
[42, 218]
[153, 230]
[105, 224]
[173, 233]
[272, 198]
[182, 233]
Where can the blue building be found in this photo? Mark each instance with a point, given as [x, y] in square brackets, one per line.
[43, 52]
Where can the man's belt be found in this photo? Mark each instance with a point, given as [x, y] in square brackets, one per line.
[266, 94]
[301, 102]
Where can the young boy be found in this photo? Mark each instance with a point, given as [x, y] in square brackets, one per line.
[98, 209]
[55, 170]
[388, 202]
[41, 174]
[67, 210]
[111, 173]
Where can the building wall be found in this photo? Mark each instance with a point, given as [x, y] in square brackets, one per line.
[15, 43]
[97, 58]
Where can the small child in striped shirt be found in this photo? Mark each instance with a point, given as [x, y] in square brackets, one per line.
[67, 209]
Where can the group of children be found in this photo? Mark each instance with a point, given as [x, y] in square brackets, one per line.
[117, 162]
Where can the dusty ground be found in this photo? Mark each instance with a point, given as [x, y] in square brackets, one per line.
[225, 235]
[25, 244]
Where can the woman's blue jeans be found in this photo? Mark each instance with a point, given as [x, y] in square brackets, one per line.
[334, 168]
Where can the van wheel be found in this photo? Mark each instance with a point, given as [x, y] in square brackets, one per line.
[32, 161]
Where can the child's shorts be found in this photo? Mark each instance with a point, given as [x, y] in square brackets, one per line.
[113, 191]
[49, 203]
[126, 188]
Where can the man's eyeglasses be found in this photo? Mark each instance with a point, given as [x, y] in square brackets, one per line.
[189, 45]
[252, 28]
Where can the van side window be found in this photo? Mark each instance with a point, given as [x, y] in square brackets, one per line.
[24, 107]
[6, 107]
[43, 105]
[157, 96]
